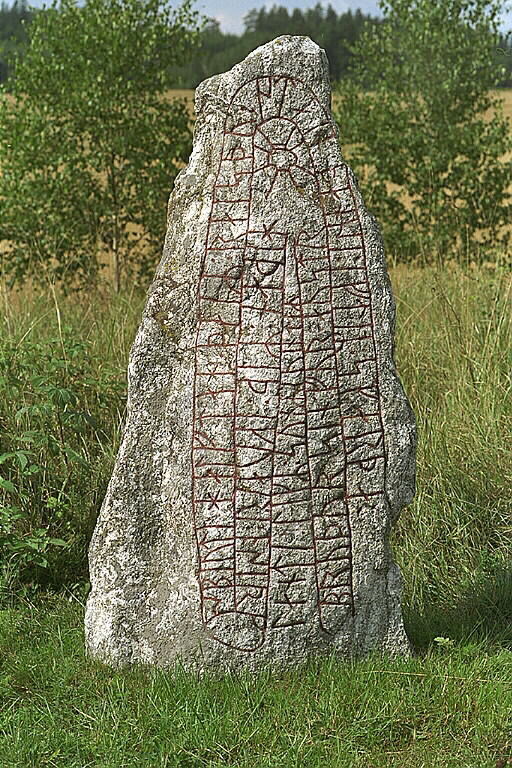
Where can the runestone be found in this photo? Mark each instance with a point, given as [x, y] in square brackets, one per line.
[269, 445]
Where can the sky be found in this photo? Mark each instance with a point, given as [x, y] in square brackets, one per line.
[230, 13]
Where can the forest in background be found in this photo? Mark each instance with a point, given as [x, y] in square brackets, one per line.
[218, 51]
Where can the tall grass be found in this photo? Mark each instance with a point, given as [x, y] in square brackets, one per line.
[454, 543]
[62, 397]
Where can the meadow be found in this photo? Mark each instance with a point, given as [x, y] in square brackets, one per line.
[63, 363]
[449, 705]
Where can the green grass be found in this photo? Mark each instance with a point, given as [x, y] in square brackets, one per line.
[62, 399]
[454, 543]
[450, 705]
[450, 708]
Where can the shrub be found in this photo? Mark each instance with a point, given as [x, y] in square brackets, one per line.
[60, 410]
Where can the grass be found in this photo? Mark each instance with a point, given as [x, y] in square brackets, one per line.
[62, 399]
[450, 708]
[454, 543]
[450, 705]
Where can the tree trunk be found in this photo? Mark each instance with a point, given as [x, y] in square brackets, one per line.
[116, 261]
[116, 266]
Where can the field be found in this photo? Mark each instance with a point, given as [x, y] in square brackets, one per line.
[505, 96]
[63, 363]
[450, 706]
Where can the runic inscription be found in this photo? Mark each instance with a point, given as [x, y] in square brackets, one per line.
[288, 440]
[268, 444]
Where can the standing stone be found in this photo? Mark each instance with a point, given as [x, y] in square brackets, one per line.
[269, 445]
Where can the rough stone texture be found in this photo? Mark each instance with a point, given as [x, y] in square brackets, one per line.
[269, 445]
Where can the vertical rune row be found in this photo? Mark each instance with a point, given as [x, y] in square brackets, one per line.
[287, 442]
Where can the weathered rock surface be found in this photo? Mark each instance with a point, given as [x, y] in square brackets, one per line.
[269, 445]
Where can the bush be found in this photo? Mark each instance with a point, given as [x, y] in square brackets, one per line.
[56, 455]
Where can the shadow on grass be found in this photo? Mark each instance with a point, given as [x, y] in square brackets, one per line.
[483, 612]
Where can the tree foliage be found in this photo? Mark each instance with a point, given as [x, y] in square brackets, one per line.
[219, 50]
[89, 142]
[423, 129]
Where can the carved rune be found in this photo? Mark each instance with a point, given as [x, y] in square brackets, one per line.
[288, 438]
